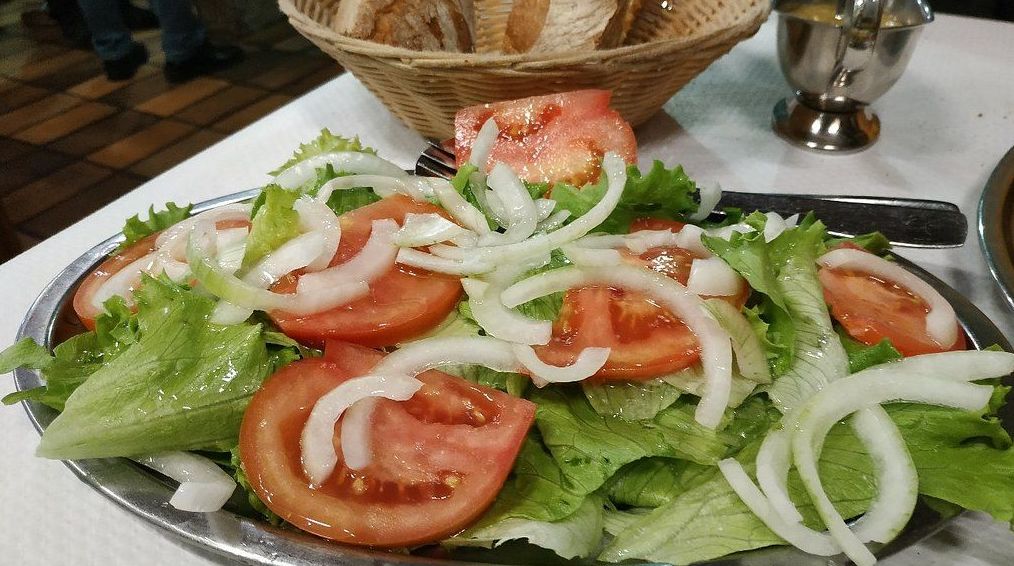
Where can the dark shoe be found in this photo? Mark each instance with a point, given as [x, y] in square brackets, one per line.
[208, 59]
[126, 67]
[138, 19]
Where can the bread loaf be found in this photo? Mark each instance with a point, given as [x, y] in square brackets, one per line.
[423, 25]
[568, 25]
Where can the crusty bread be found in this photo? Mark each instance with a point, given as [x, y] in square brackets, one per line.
[424, 25]
[619, 26]
[567, 25]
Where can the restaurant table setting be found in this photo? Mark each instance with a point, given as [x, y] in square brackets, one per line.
[943, 128]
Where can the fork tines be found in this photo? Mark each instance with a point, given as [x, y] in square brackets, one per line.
[436, 161]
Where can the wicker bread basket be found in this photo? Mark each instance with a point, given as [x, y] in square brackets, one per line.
[671, 42]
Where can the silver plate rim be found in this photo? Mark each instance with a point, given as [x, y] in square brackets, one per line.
[250, 541]
[995, 231]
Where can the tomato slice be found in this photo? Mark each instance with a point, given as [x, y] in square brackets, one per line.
[402, 304]
[646, 339]
[871, 309]
[90, 285]
[439, 459]
[83, 307]
[551, 138]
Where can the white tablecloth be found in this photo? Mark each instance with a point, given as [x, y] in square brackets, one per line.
[945, 124]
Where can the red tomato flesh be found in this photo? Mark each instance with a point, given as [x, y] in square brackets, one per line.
[646, 339]
[871, 309]
[402, 304]
[551, 138]
[439, 459]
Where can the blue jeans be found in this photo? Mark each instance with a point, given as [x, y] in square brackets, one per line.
[182, 32]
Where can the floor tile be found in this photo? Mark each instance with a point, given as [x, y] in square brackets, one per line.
[27, 240]
[104, 132]
[137, 92]
[20, 95]
[54, 64]
[221, 103]
[65, 123]
[282, 75]
[81, 205]
[64, 77]
[251, 113]
[49, 191]
[167, 158]
[313, 80]
[255, 63]
[171, 102]
[27, 168]
[293, 44]
[140, 145]
[274, 33]
[13, 149]
[99, 86]
[11, 65]
[36, 112]
[14, 44]
[7, 84]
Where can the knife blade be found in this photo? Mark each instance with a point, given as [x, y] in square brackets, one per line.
[914, 223]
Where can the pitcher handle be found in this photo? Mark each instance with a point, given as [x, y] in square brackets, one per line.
[860, 26]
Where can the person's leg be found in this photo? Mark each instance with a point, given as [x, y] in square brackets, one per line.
[110, 35]
[182, 33]
[121, 55]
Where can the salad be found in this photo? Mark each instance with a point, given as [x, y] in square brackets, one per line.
[553, 346]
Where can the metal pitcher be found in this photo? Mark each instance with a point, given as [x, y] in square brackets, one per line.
[839, 56]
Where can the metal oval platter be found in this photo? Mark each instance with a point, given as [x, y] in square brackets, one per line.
[996, 225]
[250, 541]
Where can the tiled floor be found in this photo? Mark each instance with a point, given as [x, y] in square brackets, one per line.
[72, 141]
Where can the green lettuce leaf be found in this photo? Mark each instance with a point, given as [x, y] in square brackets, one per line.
[630, 400]
[962, 458]
[273, 224]
[649, 482]
[590, 448]
[255, 503]
[326, 142]
[576, 536]
[862, 356]
[183, 384]
[873, 242]
[661, 193]
[136, 229]
[785, 271]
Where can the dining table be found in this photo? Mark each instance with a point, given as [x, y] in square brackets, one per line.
[945, 125]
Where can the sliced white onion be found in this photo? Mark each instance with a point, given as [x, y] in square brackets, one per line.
[545, 207]
[423, 355]
[317, 439]
[204, 487]
[242, 294]
[355, 436]
[840, 398]
[461, 210]
[591, 257]
[941, 322]
[348, 162]
[177, 234]
[120, 283]
[483, 144]
[587, 363]
[416, 188]
[602, 241]
[431, 228]
[375, 259]
[689, 238]
[964, 365]
[231, 248]
[294, 254]
[713, 277]
[489, 200]
[716, 349]
[726, 232]
[710, 195]
[554, 221]
[615, 170]
[431, 262]
[499, 321]
[518, 208]
[317, 216]
[643, 240]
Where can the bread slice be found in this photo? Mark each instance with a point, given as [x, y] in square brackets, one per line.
[619, 26]
[422, 25]
[536, 26]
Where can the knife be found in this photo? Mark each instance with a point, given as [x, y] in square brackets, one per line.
[912, 223]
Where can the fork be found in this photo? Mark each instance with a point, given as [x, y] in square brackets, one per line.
[913, 223]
